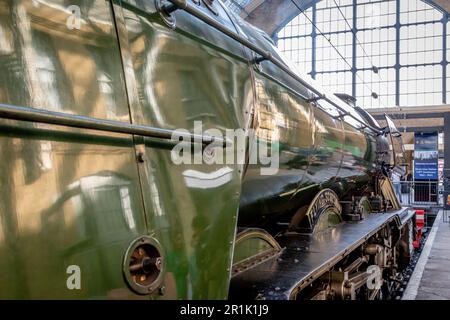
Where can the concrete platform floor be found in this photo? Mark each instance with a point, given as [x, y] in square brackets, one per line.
[431, 277]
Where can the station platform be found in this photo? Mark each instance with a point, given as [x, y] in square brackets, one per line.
[430, 279]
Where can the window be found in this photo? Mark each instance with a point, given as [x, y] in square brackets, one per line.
[295, 41]
[376, 40]
[421, 85]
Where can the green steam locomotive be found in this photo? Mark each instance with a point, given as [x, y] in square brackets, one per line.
[95, 205]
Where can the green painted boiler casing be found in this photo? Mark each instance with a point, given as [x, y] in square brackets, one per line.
[79, 197]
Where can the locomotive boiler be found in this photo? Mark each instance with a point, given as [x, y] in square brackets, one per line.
[91, 96]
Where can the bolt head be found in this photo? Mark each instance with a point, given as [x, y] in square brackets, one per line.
[140, 157]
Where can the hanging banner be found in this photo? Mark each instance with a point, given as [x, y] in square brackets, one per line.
[426, 156]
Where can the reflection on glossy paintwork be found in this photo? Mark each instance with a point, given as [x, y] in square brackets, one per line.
[327, 157]
[316, 151]
[76, 71]
[279, 112]
[69, 197]
[77, 197]
[191, 209]
[84, 210]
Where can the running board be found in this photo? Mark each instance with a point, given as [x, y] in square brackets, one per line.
[305, 258]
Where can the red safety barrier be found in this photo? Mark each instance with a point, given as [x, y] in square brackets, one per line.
[420, 223]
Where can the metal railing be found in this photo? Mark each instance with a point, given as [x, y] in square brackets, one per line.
[77, 121]
[420, 193]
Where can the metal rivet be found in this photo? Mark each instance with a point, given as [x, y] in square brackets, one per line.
[140, 157]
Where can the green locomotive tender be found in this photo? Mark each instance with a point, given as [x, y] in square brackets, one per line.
[93, 205]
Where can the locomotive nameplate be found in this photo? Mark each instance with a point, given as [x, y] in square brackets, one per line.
[324, 211]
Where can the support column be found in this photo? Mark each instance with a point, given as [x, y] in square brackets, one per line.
[447, 151]
[444, 58]
[314, 43]
[397, 55]
[354, 31]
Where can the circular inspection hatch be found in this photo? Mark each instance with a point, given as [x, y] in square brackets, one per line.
[143, 265]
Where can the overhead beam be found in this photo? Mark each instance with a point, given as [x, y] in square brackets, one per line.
[414, 119]
[410, 110]
[443, 4]
[422, 129]
[412, 116]
[271, 15]
[420, 122]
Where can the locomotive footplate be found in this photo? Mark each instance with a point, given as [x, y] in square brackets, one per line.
[306, 257]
